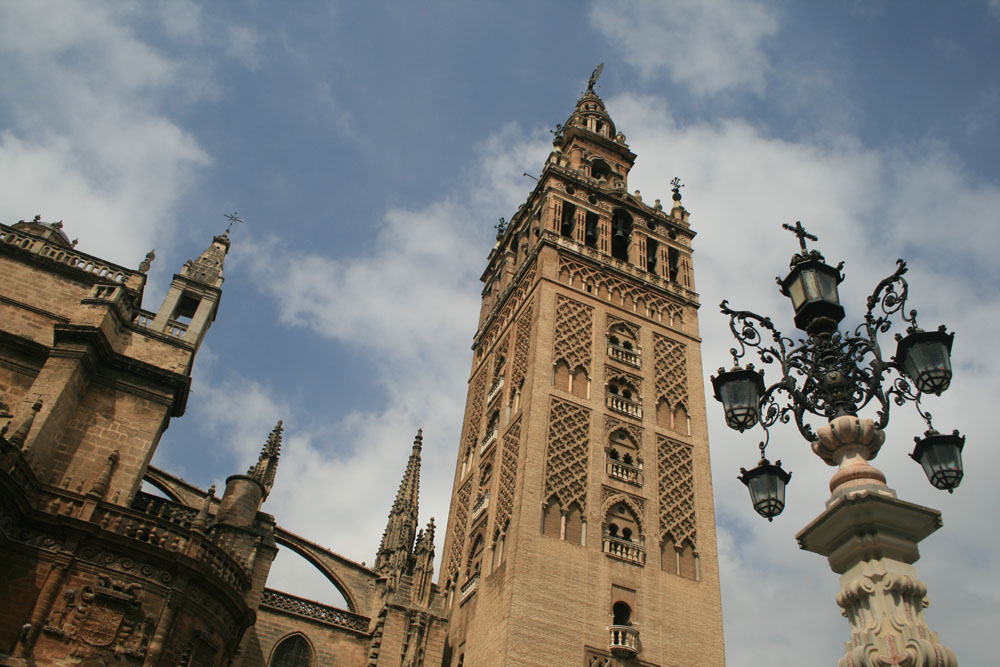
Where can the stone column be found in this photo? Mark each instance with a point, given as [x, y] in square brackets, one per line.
[870, 539]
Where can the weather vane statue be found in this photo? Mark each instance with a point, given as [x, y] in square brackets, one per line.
[233, 218]
[594, 76]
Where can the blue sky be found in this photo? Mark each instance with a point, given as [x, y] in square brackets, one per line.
[371, 147]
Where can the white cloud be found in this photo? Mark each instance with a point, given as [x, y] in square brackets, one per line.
[710, 46]
[84, 140]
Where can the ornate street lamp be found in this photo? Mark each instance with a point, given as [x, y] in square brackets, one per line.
[834, 375]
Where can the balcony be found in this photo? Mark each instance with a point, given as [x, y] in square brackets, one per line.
[624, 472]
[175, 329]
[495, 390]
[469, 587]
[625, 550]
[624, 641]
[624, 355]
[489, 439]
[481, 506]
[625, 406]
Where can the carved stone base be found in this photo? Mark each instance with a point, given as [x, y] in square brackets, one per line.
[870, 538]
[884, 602]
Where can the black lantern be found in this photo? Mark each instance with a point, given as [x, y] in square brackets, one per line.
[739, 392]
[926, 358]
[766, 483]
[941, 458]
[812, 287]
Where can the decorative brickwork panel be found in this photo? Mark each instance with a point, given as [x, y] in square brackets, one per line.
[574, 332]
[475, 416]
[458, 531]
[671, 371]
[522, 344]
[509, 308]
[622, 293]
[676, 473]
[508, 477]
[568, 449]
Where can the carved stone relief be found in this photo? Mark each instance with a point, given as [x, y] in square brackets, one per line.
[573, 334]
[676, 477]
[567, 456]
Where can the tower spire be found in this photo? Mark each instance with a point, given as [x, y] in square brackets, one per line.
[396, 548]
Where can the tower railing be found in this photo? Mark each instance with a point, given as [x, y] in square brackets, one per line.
[495, 390]
[625, 406]
[470, 587]
[481, 506]
[624, 640]
[489, 439]
[624, 355]
[624, 472]
[624, 549]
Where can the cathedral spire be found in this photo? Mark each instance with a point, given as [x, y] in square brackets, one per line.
[267, 462]
[401, 528]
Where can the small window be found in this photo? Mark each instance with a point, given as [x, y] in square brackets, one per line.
[590, 238]
[568, 220]
[599, 169]
[621, 234]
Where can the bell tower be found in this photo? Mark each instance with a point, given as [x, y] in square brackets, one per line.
[582, 528]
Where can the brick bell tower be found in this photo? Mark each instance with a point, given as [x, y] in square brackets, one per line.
[582, 528]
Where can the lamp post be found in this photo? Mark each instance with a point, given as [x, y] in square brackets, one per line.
[867, 534]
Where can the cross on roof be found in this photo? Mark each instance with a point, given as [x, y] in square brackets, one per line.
[801, 232]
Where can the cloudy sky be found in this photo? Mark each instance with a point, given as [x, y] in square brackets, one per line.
[370, 148]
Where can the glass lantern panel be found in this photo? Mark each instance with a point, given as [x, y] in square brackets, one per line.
[942, 463]
[929, 364]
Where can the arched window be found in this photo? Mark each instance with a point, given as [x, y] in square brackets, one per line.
[293, 651]
[599, 169]
[621, 234]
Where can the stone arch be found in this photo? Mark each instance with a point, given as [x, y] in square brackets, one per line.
[290, 650]
[308, 551]
[629, 502]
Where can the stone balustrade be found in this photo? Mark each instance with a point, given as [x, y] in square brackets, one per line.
[624, 640]
[489, 439]
[175, 329]
[625, 406]
[624, 550]
[495, 390]
[624, 472]
[470, 587]
[481, 506]
[624, 355]
[72, 258]
[314, 610]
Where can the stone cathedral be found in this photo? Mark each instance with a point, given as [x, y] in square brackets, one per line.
[581, 530]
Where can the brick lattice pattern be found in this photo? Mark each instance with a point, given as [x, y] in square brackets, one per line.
[567, 459]
[618, 290]
[676, 473]
[671, 371]
[522, 344]
[574, 330]
[508, 477]
[458, 543]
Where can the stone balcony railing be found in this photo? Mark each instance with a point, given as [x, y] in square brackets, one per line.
[144, 318]
[469, 587]
[624, 550]
[625, 406]
[489, 439]
[494, 390]
[72, 258]
[481, 506]
[624, 640]
[624, 472]
[175, 329]
[624, 355]
[314, 610]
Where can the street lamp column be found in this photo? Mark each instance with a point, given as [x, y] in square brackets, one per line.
[868, 535]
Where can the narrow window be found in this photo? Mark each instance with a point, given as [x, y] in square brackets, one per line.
[674, 256]
[621, 234]
[652, 250]
[568, 220]
[590, 239]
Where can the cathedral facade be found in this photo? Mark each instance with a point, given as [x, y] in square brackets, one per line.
[581, 528]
